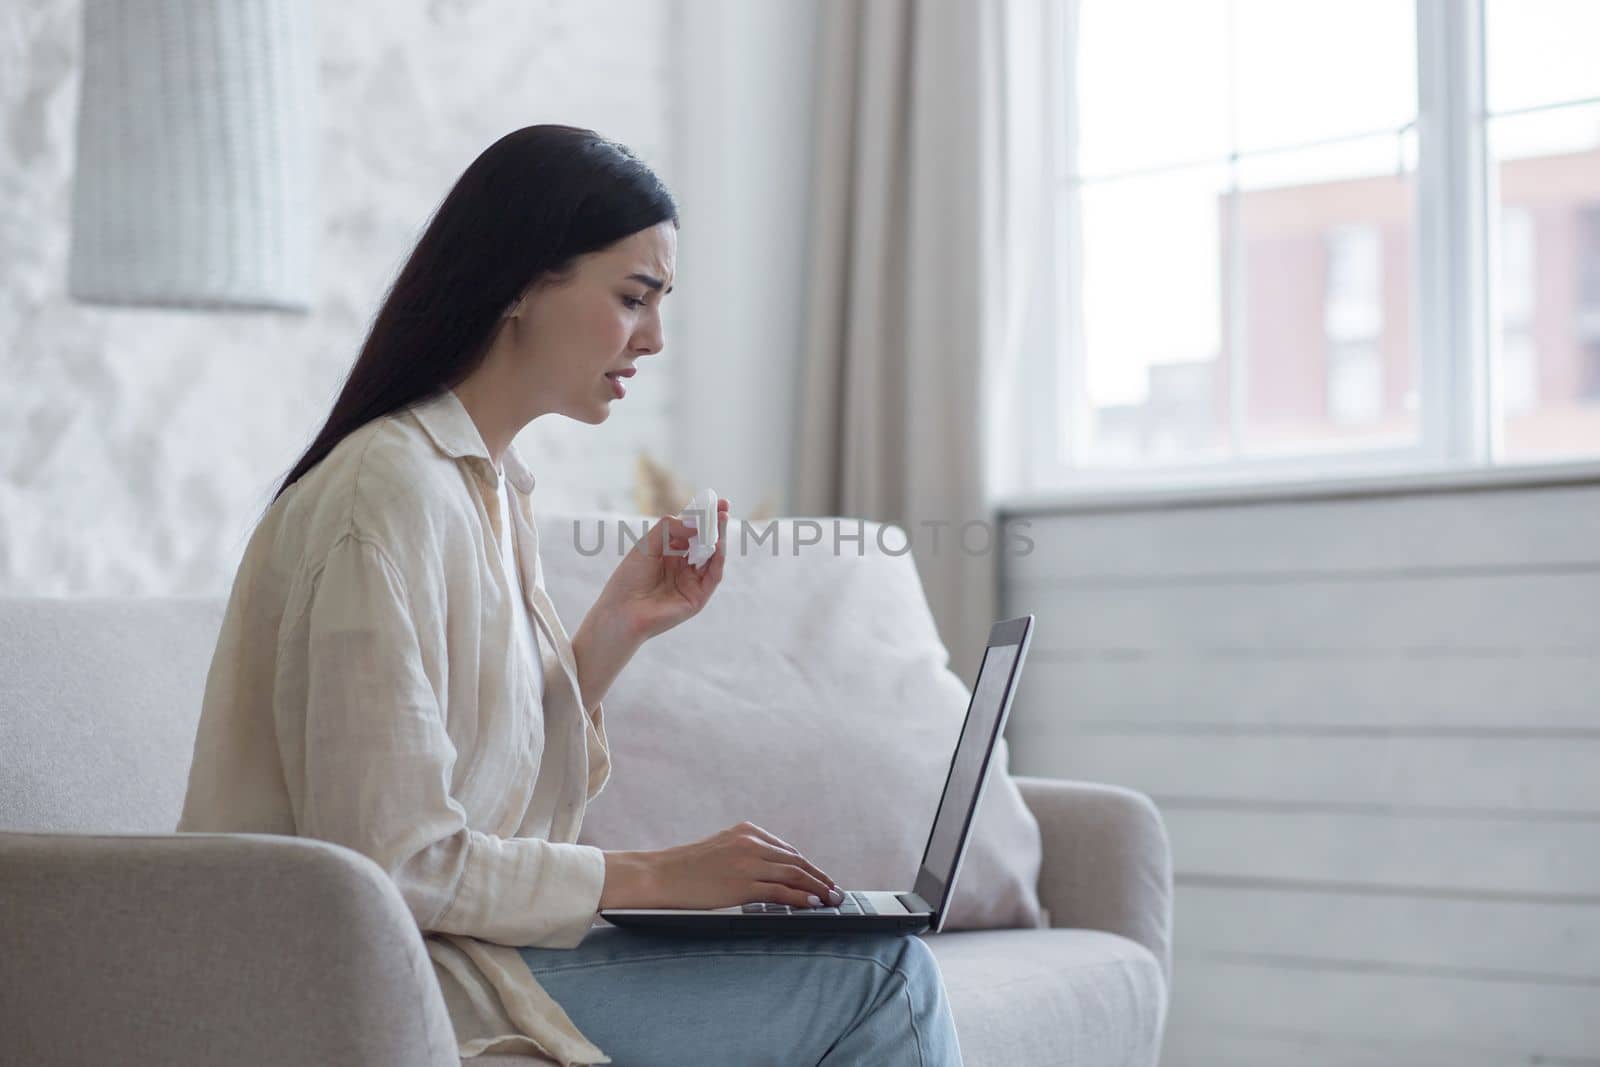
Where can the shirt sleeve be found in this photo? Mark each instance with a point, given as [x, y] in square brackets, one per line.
[378, 769]
[599, 751]
[594, 733]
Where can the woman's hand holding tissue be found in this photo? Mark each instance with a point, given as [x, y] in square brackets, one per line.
[656, 587]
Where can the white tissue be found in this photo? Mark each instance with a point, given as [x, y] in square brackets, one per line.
[702, 511]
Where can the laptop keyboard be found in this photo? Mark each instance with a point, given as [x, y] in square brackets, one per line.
[853, 904]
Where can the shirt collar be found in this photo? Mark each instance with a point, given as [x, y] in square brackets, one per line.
[447, 422]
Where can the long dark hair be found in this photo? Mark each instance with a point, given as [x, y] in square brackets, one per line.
[531, 204]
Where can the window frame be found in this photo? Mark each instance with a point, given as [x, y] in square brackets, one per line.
[1456, 198]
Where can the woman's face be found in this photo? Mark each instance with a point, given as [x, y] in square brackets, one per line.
[601, 318]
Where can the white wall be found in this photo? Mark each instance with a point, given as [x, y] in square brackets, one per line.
[743, 183]
[1370, 720]
[138, 447]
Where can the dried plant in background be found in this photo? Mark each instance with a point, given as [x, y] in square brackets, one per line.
[657, 491]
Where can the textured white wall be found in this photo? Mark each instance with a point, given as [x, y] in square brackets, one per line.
[138, 448]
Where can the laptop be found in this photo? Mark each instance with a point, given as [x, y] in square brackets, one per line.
[877, 911]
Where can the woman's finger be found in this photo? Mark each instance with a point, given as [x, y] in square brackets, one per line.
[658, 537]
[719, 561]
[792, 855]
[798, 877]
[773, 839]
[778, 893]
[719, 558]
[759, 832]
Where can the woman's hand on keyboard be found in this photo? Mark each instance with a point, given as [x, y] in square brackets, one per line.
[739, 865]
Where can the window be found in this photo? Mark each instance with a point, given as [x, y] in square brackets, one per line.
[1274, 258]
[1519, 358]
[1352, 305]
[1543, 142]
[1588, 312]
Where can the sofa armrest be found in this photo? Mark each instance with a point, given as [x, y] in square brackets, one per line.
[1107, 862]
[191, 949]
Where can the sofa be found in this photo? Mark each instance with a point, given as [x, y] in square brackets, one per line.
[123, 942]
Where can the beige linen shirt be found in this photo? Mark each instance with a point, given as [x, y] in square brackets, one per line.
[368, 688]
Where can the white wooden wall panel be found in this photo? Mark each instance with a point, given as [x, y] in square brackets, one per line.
[1486, 774]
[1296, 842]
[1471, 530]
[1375, 692]
[1372, 722]
[1239, 1047]
[1485, 1021]
[1466, 616]
[1501, 939]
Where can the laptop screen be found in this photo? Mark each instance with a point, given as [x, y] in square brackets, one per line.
[986, 714]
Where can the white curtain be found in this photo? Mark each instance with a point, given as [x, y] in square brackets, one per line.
[928, 280]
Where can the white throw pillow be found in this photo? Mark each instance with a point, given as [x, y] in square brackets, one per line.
[812, 697]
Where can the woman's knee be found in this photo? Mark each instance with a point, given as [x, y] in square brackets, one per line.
[906, 1017]
[894, 959]
[917, 959]
[909, 959]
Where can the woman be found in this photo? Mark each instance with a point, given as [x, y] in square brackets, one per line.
[391, 675]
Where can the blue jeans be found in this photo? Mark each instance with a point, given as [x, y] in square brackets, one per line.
[834, 999]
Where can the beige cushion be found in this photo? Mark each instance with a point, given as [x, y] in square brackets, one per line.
[99, 697]
[812, 697]
[1076, 997]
